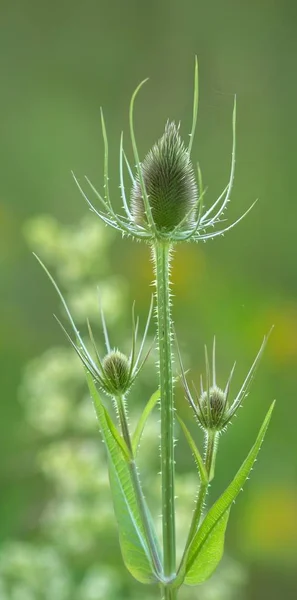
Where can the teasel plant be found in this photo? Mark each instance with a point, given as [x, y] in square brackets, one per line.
[166, 207]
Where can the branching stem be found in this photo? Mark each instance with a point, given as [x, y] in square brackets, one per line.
[168, 593]
[150, 538]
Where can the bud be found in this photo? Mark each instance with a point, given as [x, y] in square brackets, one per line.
[211, 408]
[169, 182]
[116, 370]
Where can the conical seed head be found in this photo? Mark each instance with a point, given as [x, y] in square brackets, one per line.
[116, 370]
[217, 405]
[169, 181]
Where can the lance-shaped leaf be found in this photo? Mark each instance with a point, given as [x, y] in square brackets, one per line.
[143, 419]
[206, 549]
[133, 543]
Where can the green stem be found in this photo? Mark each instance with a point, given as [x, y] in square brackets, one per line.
[120, 405]
[162, 264]
[168, 593]
[196, 516]
[144, 517]
[212, 438]
[210, 457]
[150, 538]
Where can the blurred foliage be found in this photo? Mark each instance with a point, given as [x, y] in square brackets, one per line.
[59, 62]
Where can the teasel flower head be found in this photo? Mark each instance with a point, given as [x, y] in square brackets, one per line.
[167, 198]
[115, 372]
[170, 184]
[211, 406]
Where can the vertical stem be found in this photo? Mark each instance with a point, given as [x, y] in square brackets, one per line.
[168, 593]
[144, 516]
[211, 452]
[162, 263]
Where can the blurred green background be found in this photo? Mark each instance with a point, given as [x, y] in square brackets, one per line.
[61, 61]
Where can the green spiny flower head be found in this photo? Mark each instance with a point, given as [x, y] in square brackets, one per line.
[170, 184]
[115, 373]
[164, 200]
[213, 407]
[116, 369]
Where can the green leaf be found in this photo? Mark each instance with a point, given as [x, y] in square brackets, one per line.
[116, 435]
[196, 453]
[131, 533]
[206, 549]
[143, 419]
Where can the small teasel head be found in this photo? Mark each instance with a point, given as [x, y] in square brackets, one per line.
[169, 182]
[211, 406]
[116, 371]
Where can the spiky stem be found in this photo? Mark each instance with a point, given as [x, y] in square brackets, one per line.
[161, 257]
